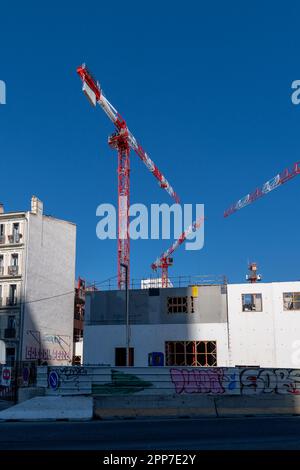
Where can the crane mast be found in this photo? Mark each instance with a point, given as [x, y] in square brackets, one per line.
[164, 261]
[273, 183]
[122, 140]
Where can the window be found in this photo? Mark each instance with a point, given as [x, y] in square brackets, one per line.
[180, 304]
[14, 259]
[10, 356]
[11, 322]
[2, 233]
[16, 227]
[120, 356]
[12, 299]
[16, 235]
[291, 301]
[252, 302]
[191, 353]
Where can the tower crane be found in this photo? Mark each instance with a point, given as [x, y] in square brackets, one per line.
[122, 140]
[273, 183]
[165, 260]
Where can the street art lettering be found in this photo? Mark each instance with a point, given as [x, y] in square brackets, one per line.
[280, 381]
[34, 353]
[197, 381]
[236, 381]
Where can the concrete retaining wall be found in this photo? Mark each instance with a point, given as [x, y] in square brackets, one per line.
[178, 391]
[194, 406]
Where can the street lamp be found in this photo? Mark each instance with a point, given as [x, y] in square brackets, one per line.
[125, 266]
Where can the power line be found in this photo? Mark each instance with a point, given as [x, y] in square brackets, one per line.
[67, 293]
[49, 298]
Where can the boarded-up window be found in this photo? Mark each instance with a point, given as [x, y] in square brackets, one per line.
[291, 301]
[252, 302]
[191, 353]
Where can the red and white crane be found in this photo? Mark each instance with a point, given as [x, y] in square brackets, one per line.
[273, 183]
[122, 140]
[165, 260]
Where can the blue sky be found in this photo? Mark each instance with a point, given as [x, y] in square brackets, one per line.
[204, 86]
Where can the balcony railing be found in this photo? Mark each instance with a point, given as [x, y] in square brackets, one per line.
[15, 238]
[1, 270]
[11, 301]
[78, 338]
[2, 239]
[1, 301]
[9, 333]
[13, 270]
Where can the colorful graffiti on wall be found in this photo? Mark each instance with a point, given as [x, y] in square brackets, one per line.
[216, 381]
[236, 381]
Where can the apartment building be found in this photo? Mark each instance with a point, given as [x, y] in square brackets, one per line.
[37, 271]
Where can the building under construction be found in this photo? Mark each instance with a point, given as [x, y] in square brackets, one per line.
[212, 324]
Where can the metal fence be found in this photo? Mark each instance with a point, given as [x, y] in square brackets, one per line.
[155, 282]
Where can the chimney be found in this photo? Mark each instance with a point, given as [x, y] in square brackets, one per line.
[36, 206]
[1, 208]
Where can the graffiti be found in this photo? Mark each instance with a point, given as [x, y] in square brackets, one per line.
[34, 353]
[71, 373]
[52, 339]
[281, 381]
[121, 383]
[236, 381]
[69, 376]
[215, 381]
[197, 381]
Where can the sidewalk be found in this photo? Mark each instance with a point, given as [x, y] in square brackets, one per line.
[4, 404]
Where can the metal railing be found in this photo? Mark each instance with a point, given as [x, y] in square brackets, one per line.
[11, 301]
[2, 239]
[1, 270]
[15, 238]
[155, 282]
[10, 333]
[78, 338]
[13, 270]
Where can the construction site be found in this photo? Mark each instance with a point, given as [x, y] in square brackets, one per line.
[190, 321]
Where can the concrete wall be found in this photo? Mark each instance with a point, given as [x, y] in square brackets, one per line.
[100, 341]
[151, 324]
[270, 338]
[50, 272]
[267, 338]
[145, 308]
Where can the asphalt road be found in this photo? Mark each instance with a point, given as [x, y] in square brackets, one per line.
[189, 434]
